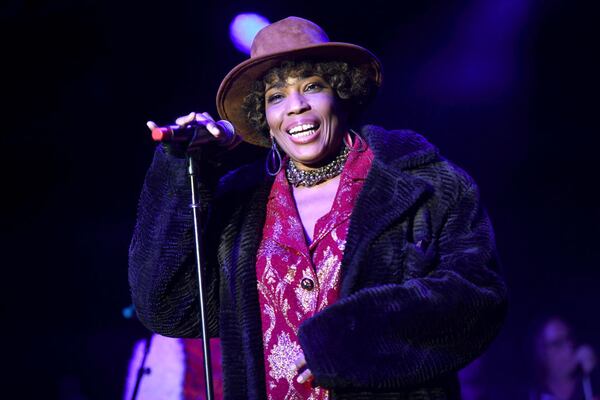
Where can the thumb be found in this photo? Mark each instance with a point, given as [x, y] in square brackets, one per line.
[151, 125]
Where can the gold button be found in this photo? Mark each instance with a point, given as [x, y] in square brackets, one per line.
[307, 284]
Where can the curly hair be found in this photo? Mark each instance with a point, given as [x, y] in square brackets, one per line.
[353, 85]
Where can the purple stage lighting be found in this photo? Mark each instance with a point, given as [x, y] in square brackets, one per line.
[243, 28]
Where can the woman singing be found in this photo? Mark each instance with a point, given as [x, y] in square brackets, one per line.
[352, 264]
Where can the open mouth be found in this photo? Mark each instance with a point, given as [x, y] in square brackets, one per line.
[303, 130]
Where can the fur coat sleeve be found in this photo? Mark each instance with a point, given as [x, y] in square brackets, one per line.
[162, 265]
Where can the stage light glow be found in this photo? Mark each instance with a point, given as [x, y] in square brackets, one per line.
[243, 28]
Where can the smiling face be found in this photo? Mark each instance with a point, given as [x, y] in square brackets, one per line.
[306, 119]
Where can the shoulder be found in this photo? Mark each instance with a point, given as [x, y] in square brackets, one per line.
[406, 152]
[402, 148]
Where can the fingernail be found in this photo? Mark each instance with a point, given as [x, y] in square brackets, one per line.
[214, 129]
[300, 379]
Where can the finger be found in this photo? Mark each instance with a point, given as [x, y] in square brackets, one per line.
[300, 362]
[304, 376]
[204, 117]
[151, 125]
[210, 124]
[214, 129]
[207, 115]
[186, 119]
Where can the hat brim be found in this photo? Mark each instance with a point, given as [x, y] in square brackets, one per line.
[239, 81]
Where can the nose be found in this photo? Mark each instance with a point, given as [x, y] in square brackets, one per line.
[297, 103]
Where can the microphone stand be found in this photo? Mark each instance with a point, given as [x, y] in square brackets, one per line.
[142, 370]
[587, 386]
[199, 262]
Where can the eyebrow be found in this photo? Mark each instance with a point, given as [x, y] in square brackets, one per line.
[280, 84]
[276, 85]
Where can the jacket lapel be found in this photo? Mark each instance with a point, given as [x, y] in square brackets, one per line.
[389, 193]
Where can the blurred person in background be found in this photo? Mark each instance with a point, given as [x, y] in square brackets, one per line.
[474, 384]
[564, 369]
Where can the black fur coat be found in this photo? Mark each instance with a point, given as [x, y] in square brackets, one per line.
[422, 293]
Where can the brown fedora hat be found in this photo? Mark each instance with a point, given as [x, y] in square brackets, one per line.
[291, 38]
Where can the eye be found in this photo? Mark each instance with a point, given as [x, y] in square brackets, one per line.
[274, 97]
[313, 86]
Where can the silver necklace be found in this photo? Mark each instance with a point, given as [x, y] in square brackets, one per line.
[298, 177]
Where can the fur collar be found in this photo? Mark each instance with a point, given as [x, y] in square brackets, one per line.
[400, 149]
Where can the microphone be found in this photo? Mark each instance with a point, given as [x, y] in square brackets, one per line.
[176, 133]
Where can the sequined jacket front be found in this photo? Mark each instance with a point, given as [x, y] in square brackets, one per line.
[422, 292]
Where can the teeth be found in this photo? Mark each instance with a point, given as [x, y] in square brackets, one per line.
[300, 128]
[305, 133]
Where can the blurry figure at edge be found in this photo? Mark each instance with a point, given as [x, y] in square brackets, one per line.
[561, 365]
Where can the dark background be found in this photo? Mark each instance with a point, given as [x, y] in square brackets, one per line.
[506, 89]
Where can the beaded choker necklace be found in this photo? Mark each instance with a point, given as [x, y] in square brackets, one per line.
[298, 177]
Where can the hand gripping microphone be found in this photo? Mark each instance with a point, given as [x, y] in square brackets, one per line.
[176, 133]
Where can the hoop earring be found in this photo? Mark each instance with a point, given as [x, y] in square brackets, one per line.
[350, 143]
[273, 161]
